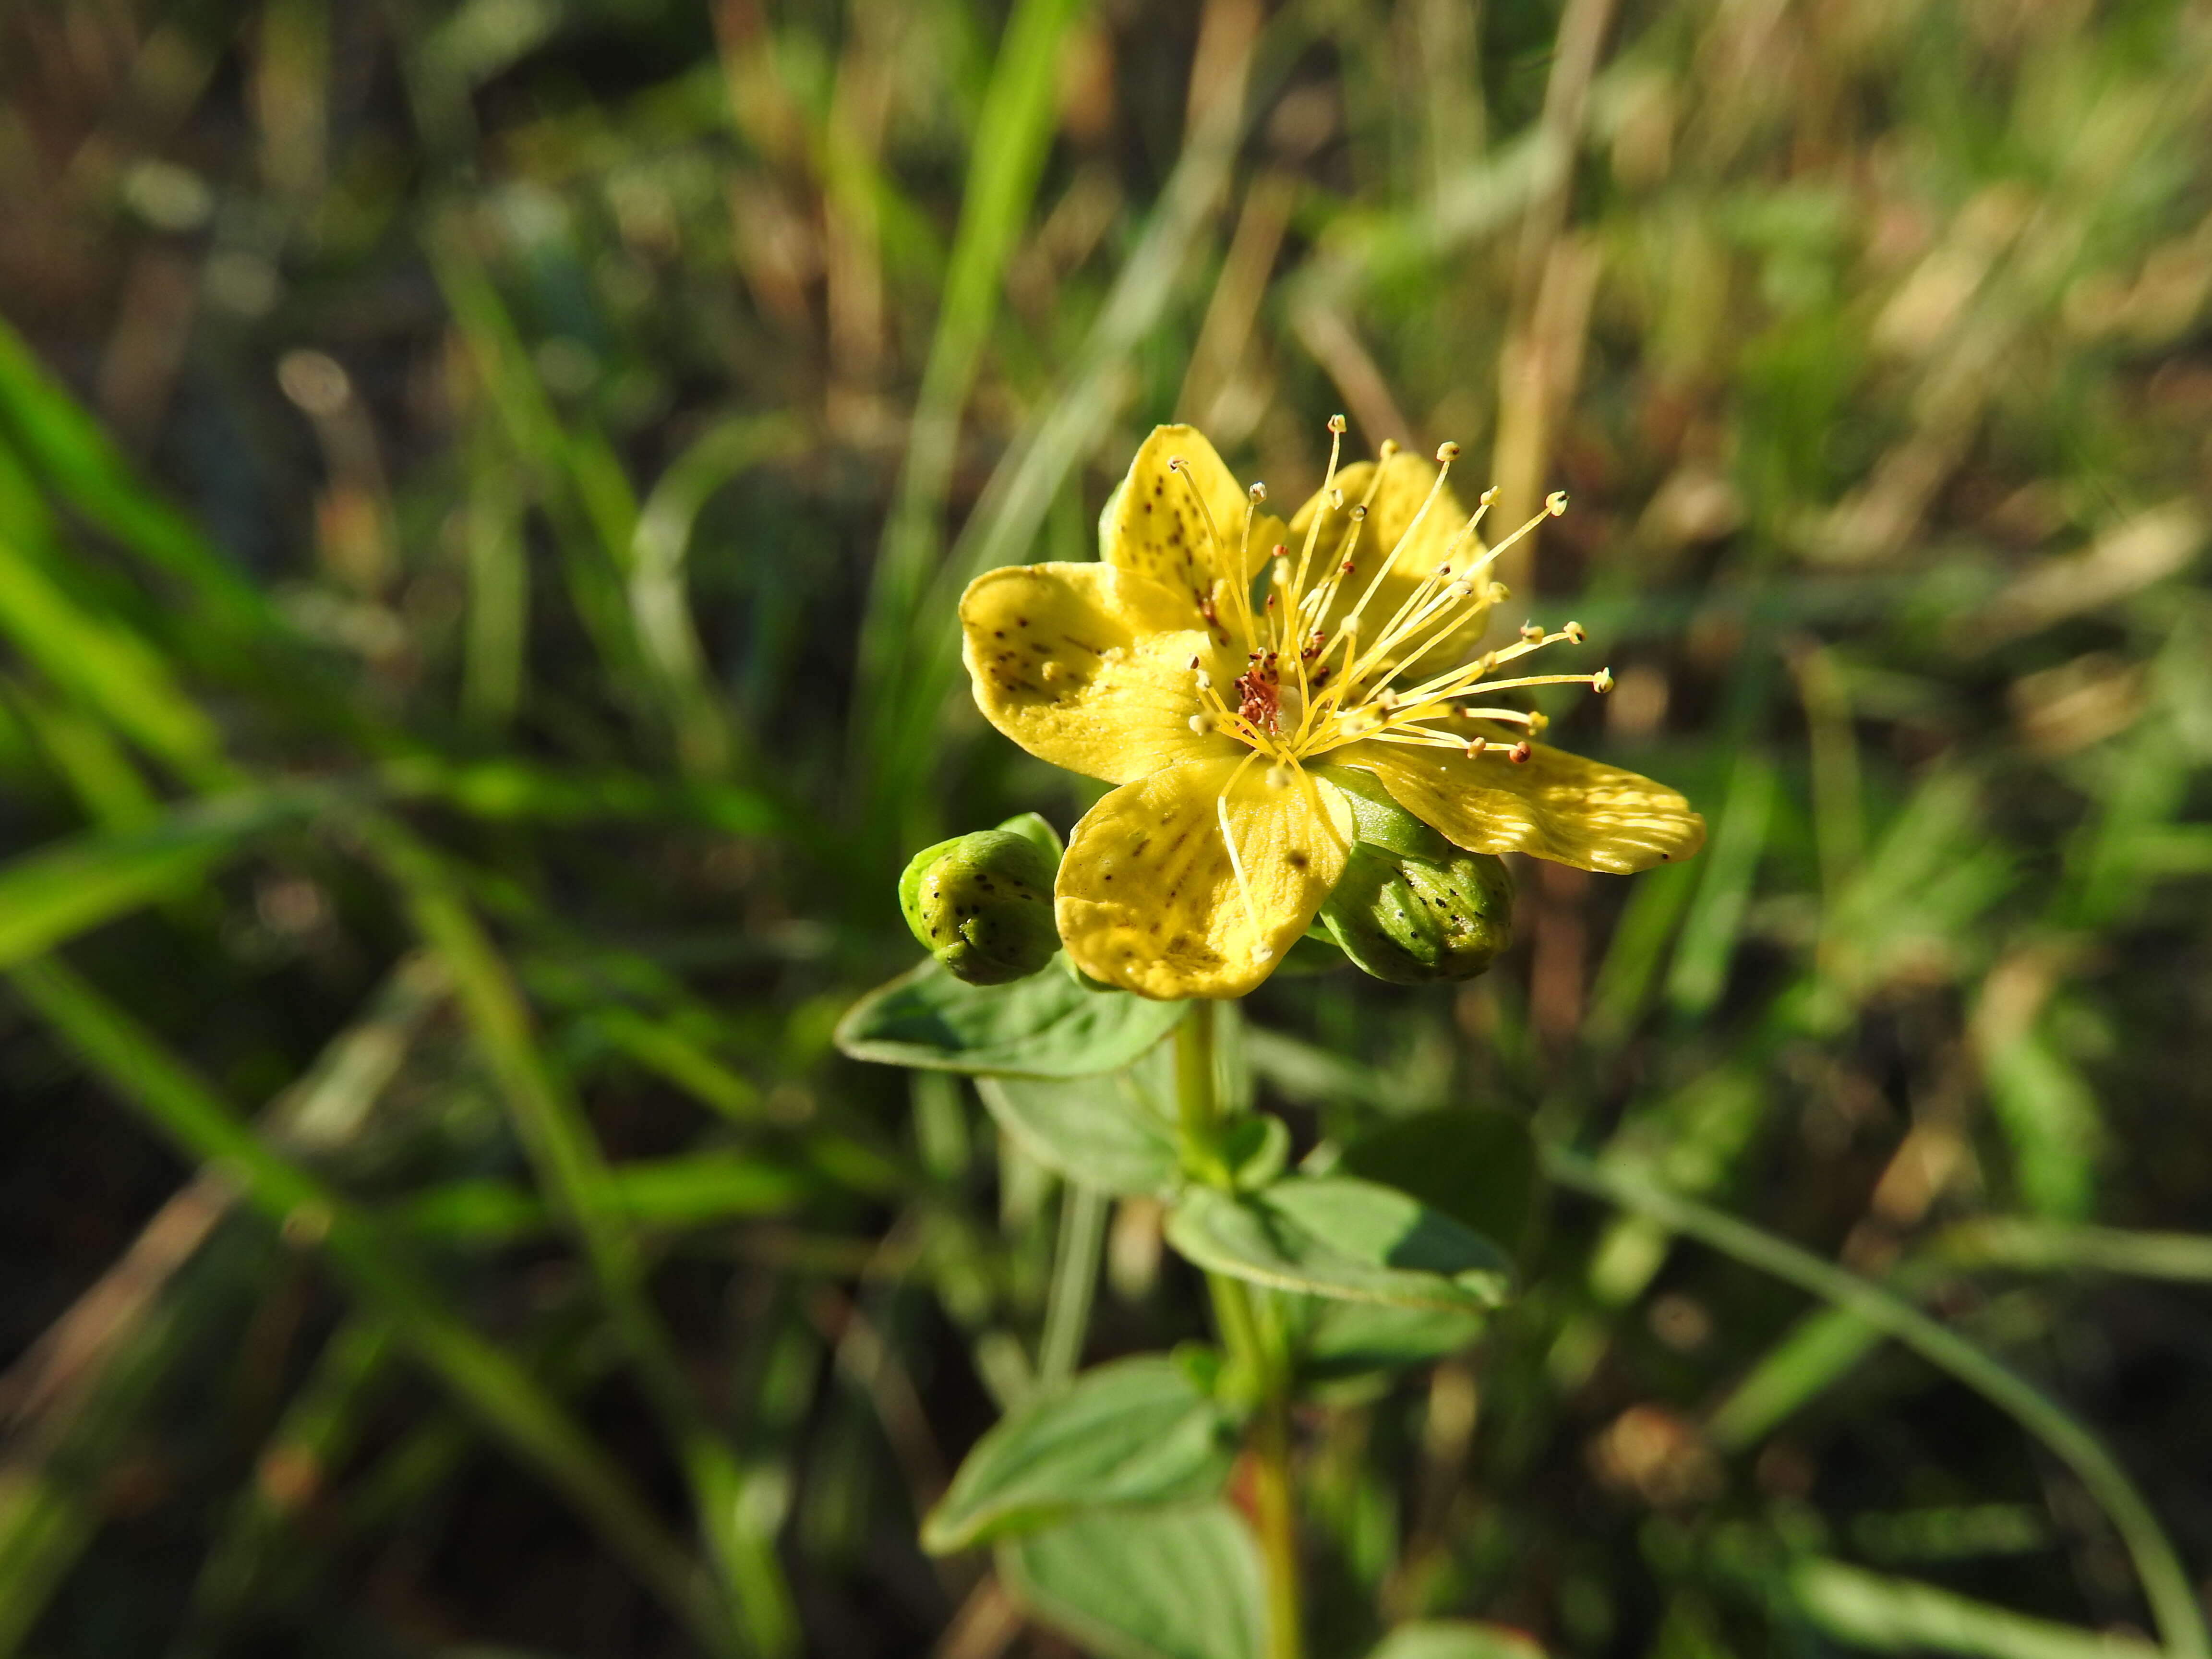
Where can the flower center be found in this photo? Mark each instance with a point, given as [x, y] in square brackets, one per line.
[1323, 670]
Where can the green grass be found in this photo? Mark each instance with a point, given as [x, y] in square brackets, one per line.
[482, 491]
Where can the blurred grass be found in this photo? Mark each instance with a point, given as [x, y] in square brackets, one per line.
[490, 478]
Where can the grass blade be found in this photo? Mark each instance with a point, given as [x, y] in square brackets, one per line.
[69, 887]
[2165, 1582]
[495, 1388]
[1896, 1615]
[1005, 163]
[564, 1153]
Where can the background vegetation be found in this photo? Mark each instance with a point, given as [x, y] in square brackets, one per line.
[481, 486]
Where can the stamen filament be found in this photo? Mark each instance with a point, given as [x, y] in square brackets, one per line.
[1328, 479]
[1446, 453]
[1261, 948]
[1180, 468]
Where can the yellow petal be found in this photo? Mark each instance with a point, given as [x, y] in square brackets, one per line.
[1416, 543]
[1154, 525]
[1149, 898]
[1555, 805]
[1089, 667]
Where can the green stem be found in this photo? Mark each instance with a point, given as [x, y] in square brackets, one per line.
[1252, 1356]
[1074, 1277]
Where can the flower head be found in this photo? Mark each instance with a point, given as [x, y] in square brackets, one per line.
[1216, 659]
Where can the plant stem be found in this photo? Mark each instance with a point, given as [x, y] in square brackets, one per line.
[1252, 1355]
[1074, 1276]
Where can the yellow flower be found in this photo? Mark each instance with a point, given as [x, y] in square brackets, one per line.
[1213, 698]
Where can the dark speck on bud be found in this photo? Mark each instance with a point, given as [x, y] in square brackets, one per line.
[981, 903]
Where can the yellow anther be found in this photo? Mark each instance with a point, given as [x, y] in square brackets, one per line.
[1258, 493]
[1575, 632]
[1476, 746]
[1488, 496]
[1447, 451]
[1201, 724]
[1499, 594]
[1556, 502]
[1336, 424]
[1531, 632]
[1602, 680]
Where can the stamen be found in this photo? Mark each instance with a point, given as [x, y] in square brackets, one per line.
[1446, 453]
[1520, 753]
[1252, 497]
[1601, 682]
[1575, 632]
[1261, 951]
[1180, 468]
[1328, 494]
[1401, 631]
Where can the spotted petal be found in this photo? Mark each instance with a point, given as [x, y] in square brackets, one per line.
[1089, 667]
[1150, 899]
[1555, 805]
[1156, 526]
[1415, 544]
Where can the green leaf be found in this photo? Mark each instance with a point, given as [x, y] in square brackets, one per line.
[1477, 1166]
[1171, 1584]
[1335, 1236]
[1134, 1432]
[1045, 1026]
[1256, 1147]
[1102, 1131]
[1345, 1340]
[1454, 1638]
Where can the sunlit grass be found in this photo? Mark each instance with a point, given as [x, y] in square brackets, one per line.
[483, 489]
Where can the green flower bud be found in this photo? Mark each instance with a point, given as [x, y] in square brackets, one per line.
[981, 903]
[1411, 908]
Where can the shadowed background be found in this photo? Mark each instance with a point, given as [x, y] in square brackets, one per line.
[483, 488]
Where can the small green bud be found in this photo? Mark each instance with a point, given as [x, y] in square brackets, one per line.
[981, 903]
[1411, 908]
